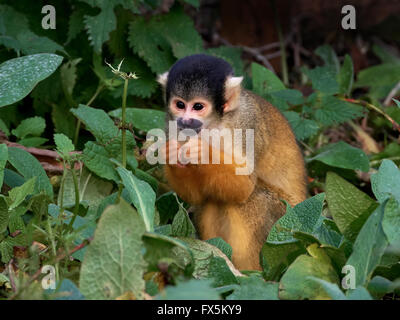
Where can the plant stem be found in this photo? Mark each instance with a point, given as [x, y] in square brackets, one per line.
[123, 121]
[284, 66]
[78, 123]
[76, 209]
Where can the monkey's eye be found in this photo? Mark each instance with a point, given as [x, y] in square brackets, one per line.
[180, 105]
[198, 106]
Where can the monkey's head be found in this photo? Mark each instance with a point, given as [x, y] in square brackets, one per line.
[199, 90]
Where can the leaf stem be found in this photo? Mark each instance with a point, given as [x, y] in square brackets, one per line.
[123, 121]
[77, 200]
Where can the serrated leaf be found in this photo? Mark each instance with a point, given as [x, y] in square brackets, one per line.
[64, 144]
[141, 195]
[3, 161]
[221, 245]
[31, 126]
[254, 288]
[303, 128]
[113, 263]
[323, 79]
[28, 166]
[96, 158]
[68, 78]
[349, 207]
[296, 284]
[329, 56]
[332, 110]
[142, 119]
[369, 247]
[231, 55]
[386, 183]
[343, 155]
[18, 194]
[20, 75]
[346, 76]
[304, 217]
[75, 24]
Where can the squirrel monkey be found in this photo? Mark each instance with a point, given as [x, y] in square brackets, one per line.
[201, 93]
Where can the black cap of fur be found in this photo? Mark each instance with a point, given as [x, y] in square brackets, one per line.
[199, 75]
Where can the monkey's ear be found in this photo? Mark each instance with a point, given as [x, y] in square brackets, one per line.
[232, 92]
[162, 79]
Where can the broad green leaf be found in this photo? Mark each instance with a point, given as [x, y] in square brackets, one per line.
[203, 253]
[220, 272]
[167, 206]
[379, 286]
[64, 144]
[31, 126]
[303, 128]
[349, 207]
[32, 142]
[331, 289]
[68, 291]
[3, 161]
[19, 76]
[190, 290]
[346, 76]
[4, 128]
[264, 80]
[342, 155]
[221, 245]
[360, 293]
[182, 226]
[141, 195]
[96, 158]
[296, 284]
[142, 119]
[229, 54]
[369, 247]
[386, 183]
[276, 257]
[28, 166]
[391, 222]
[18, 194]
[303, 217]
[92, 189]
[113, 263]
[162, 248]
[254, 288]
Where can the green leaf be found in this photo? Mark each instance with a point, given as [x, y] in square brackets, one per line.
[296, 284]
[254, 288]
[303, 128]
[386, 183]
[391, 222]
[303, 217]
[64, 144]
[4, 215]
[397, 102]
[230, 54]
[3, 161]
[18, 194]
[277, 256]
[264, 80]
[3, 127]
[369, 247]
[142, 119]
[141, 195]
[32, 142]
[346, 76]
[342, 155]
[182, 226]
[331, 289]
[360, 293]
[220, 272]
[113, 263]
[349, 207]
[323, 79]
[221, 245]
[68, 78]
[31, 126]
[20, 75]
[29, 167]
[190, 290]
[96, 158]
[332, 110]
[379, 286]
[329, 56]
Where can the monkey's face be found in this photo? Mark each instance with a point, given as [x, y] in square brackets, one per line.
[194, 114]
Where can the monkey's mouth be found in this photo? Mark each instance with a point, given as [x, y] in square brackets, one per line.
[190, 131]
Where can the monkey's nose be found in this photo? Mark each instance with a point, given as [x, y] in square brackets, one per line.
[190, 123]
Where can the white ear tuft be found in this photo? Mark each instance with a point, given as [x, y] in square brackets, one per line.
[233, 82]
[162, 79]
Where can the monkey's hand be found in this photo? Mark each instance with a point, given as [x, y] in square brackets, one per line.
[169, 153]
